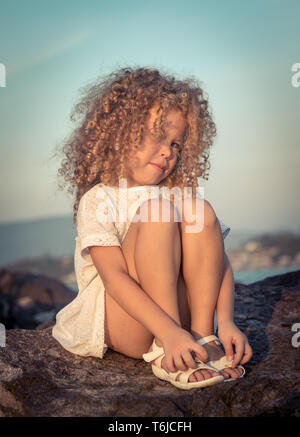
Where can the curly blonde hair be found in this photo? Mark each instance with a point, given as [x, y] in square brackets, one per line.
[114, 107]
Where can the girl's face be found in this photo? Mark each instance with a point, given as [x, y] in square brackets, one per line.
[144, 165]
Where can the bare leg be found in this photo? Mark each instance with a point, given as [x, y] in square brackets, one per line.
[157, 263]
[202, 267]
[154, 264]
[158, 278]
[203, 271]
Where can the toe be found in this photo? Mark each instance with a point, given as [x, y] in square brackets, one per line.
[203, 374]
[215, 373]
[231, 372]
[236, 372]
[192, 378]
[239, 371]
[207, 374]
[225, 374]
[200, 375]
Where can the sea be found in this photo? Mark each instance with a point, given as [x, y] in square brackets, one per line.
[55, 237]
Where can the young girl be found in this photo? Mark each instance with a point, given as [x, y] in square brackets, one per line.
[149, 288]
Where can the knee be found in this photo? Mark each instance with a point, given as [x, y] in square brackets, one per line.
[210, 218]
[159, 210]
[198, 211]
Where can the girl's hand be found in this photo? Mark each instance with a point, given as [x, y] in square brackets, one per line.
[229, 335]
[179, 347]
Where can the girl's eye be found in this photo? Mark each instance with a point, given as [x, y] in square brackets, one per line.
[177, 145]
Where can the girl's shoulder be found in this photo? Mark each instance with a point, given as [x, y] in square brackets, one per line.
[95, 208]
[91, 199]
[96, 191]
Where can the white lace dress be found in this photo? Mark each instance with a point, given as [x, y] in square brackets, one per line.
[79, 326]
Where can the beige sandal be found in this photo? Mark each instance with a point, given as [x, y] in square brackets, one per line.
[159, 372]
[222, 362]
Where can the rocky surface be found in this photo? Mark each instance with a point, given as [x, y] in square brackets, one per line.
[267, 251]
[39, 378]
[27, 299]
[61, 268]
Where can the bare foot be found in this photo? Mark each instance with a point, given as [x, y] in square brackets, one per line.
[214, 353]
[199, 375]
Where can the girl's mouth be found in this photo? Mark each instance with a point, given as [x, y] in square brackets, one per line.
[157, 167]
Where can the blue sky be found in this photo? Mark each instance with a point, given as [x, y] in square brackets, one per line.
[242, 52]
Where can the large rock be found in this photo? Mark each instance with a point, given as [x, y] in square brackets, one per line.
[40, 378]
[27, 299]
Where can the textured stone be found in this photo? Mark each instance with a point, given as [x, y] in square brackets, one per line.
[27, 299]
[40, 378]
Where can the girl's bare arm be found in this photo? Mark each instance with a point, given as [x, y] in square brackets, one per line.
[111, 266]
[177, 342]
[228, 332]
[225, 303]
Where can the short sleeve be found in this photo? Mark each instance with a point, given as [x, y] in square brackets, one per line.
[95, 221]
[224, 229]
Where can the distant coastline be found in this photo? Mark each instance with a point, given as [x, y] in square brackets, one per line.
[47, 247]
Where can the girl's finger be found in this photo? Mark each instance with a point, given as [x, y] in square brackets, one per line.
[239, 352]
[189, 360]
[228, 350]
[170, 364]
[200, 352]
[180, 363]
[247, 353]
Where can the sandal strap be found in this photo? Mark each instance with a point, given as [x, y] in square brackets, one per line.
[221, 363]
[156, 352]
[207, 339]
[184, 375]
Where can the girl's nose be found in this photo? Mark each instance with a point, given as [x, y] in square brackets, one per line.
[165, 150]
